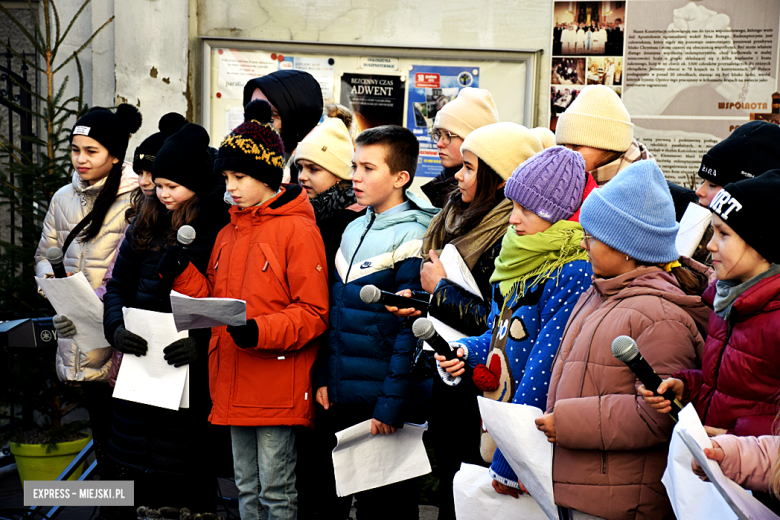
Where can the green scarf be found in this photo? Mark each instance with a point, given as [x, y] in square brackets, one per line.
[536, 257]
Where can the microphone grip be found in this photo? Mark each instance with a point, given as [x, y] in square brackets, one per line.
[645, 373]
[402, 302]
[442, 348]
[59, 270]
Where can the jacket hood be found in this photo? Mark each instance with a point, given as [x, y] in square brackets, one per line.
[422, 213]
[297, 97]
[654, 281]
[291, 200]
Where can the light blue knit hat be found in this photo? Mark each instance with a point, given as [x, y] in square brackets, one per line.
[634, 214]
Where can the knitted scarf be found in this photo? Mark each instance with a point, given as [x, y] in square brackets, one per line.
[472, 244]
[337, 197]
[536, 258]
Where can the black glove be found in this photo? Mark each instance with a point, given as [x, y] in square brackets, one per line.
[129, 343]
[173, 263]
[181, 352]
[245, 336]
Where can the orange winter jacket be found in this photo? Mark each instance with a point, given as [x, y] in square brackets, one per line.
[272, 257]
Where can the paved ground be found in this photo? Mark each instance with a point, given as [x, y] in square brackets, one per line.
[12, 499]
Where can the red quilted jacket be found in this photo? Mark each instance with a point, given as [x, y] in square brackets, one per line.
[738, 385]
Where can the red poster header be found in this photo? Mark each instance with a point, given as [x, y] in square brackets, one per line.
[426, 80]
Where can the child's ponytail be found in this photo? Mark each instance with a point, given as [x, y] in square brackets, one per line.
[103, 203]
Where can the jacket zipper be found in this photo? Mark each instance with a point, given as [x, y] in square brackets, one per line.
[368, 227]
[603, 462]
[729, 331]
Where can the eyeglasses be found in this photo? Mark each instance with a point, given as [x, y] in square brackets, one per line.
[587, 238]
[446, 137]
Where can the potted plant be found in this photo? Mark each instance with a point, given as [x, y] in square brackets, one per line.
[32, 168]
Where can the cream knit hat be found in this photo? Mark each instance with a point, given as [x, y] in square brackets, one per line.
[597, 118]
[329, 146]
[472, 109]
[502, 146]
[545, 135]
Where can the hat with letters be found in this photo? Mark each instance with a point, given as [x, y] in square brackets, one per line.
[748, 152]
[746, 207]
[111, 129]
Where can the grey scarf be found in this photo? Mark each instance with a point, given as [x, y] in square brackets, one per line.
[727, 291]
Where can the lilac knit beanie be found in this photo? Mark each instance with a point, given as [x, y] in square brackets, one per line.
[550, 183]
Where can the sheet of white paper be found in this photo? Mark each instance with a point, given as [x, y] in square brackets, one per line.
[363, 461]
[150, 379]
[475, 498]
[76, 299]
[203, 313]
[741, 502]
[526, 449]
[458, 272]
[693, 224]
[691, 498]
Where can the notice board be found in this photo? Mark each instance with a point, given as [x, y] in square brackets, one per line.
[381, 84]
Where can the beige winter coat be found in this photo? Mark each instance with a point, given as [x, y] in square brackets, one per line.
[68, 207]
[611, 446]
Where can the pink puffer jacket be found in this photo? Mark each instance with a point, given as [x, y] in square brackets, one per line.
[611, 447]
[749, 460]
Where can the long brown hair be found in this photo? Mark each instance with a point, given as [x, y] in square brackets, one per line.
[136, 199]
[149, 220]
[489, 194]
[689, 280]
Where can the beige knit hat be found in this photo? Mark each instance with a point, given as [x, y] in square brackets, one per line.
[597, 118]
[502, 146]
[472, 109]
[329, 146]
[545, 135]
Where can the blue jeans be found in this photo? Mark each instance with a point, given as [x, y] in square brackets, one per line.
[264, 462]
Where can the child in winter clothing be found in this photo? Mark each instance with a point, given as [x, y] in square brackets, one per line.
[610, 447]
[540, 273]
[324, 162]
[272, 256]
[100, 190]
[751, 462]
[366, 372]
[735, 390]
[160, 449]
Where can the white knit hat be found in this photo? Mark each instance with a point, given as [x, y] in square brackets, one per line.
[597, 118]
[502, 146]
[472, 109]
[329, 146]
[545, 135]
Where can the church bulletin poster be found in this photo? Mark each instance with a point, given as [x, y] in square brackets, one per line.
[374, 99]
[689, 72]
[431, 87]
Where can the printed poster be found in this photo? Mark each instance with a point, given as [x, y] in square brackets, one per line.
[430, 89]
[374, 99]
[321, 69]
[688, 72]
[237, 67]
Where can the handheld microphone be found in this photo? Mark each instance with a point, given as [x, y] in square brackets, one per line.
[625, 349]
[372, 294]
[185, 236]
[423, 329]
[54, 256]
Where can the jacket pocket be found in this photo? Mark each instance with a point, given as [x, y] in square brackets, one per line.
[263, 379]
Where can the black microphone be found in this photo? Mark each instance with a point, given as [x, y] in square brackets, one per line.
[372, 294]
[54, 256]
[423, 329]
[625, 349]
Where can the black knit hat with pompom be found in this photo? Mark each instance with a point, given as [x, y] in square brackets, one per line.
[254, 148]
[144, 155]
[185, 158]
[111, 129]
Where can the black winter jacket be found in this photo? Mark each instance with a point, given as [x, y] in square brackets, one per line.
[147, 438]
[459, 308]
[439, 188]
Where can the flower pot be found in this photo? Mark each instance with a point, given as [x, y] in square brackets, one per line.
[47, 461]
